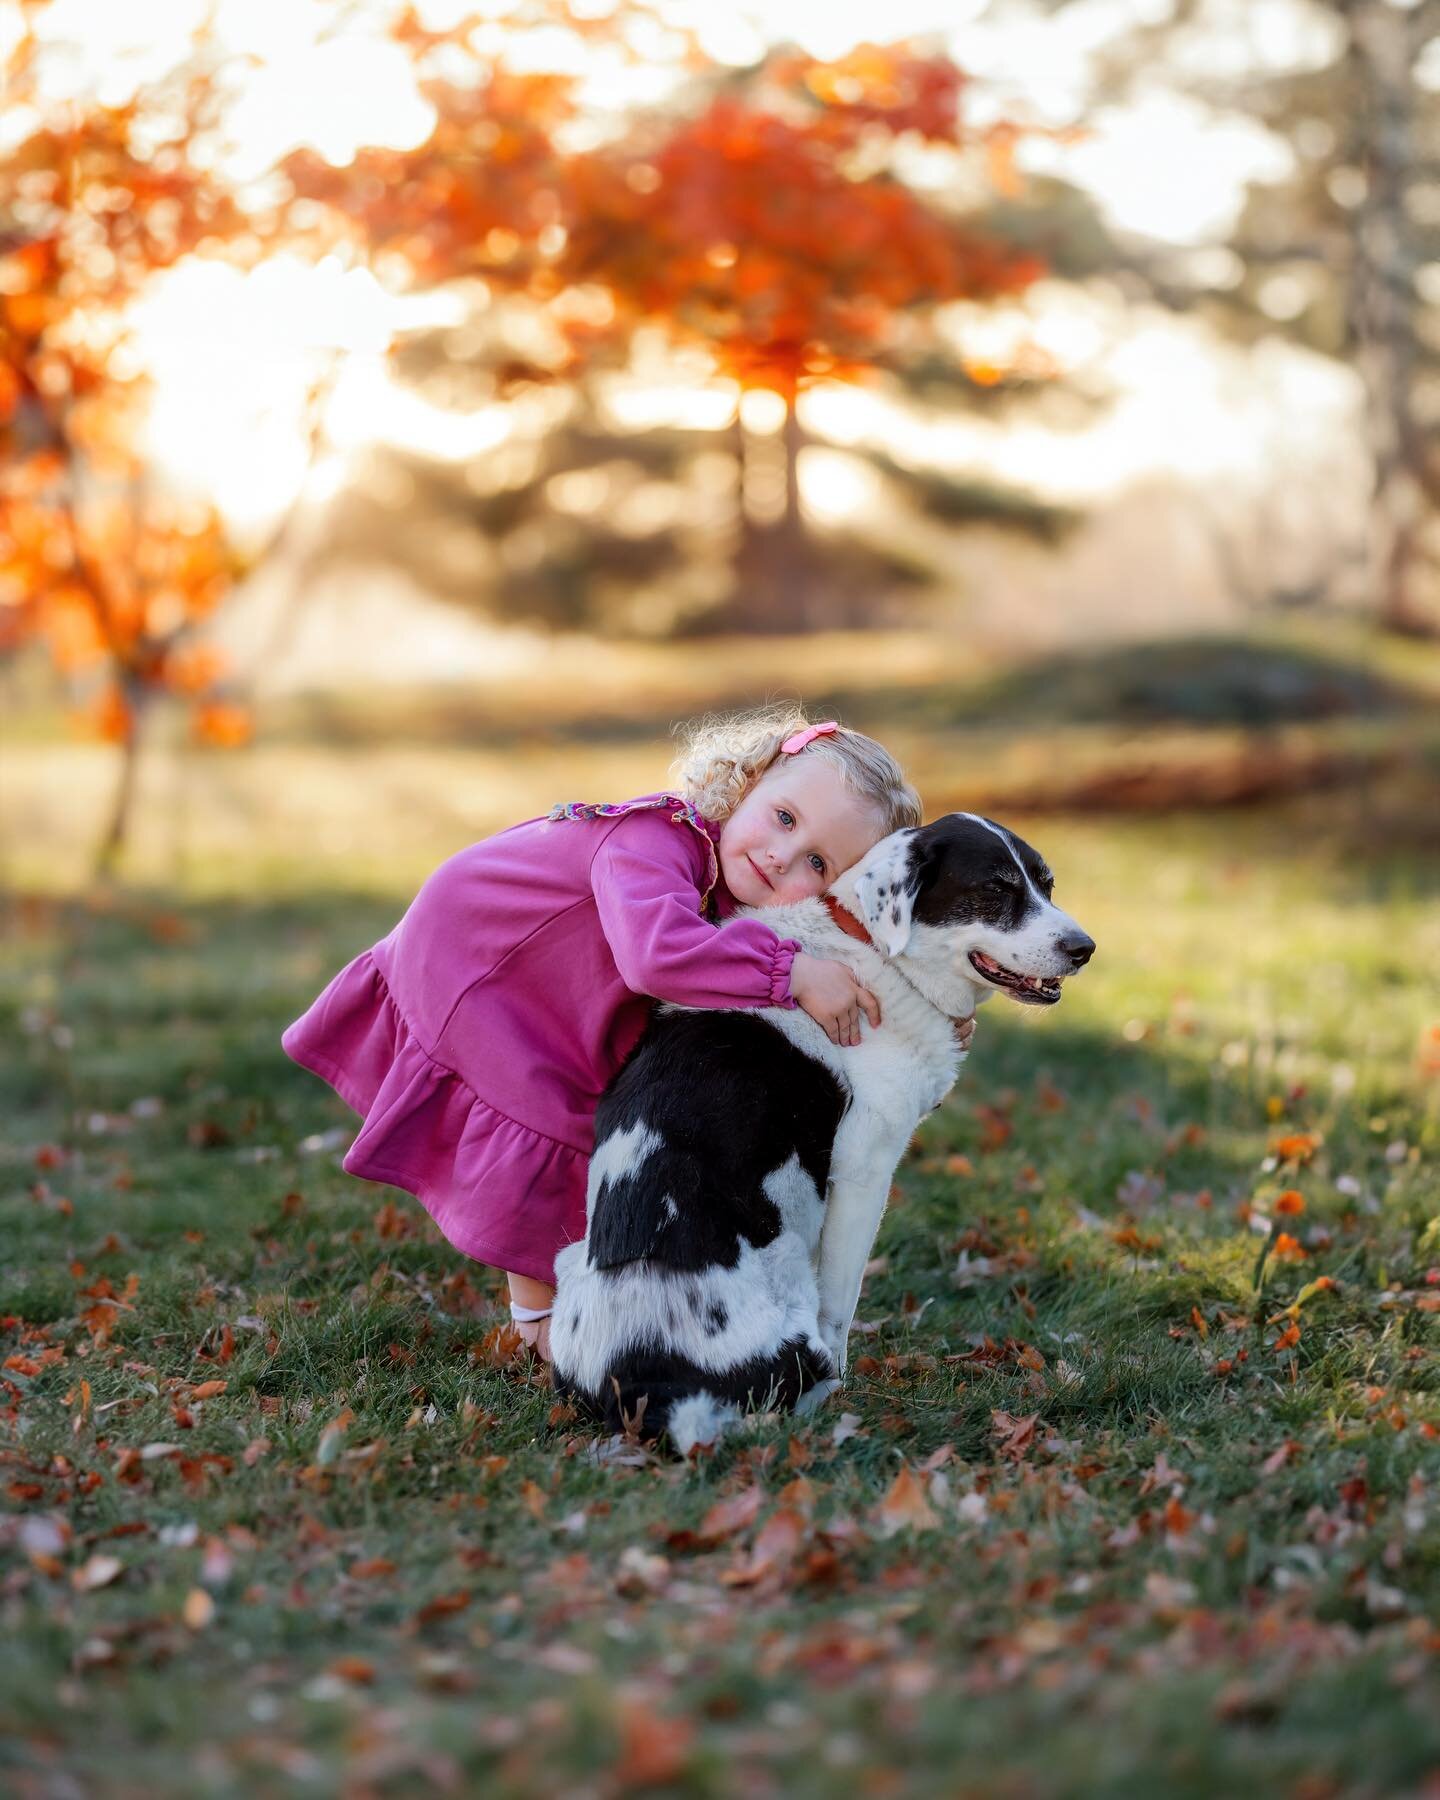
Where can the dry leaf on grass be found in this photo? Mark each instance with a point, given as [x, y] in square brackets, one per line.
[905, 1506]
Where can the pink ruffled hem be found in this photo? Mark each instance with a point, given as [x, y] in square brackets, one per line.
[500, 1191]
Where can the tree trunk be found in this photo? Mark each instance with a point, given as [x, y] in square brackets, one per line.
[112, 843]
[1383, 307]
[777, 579]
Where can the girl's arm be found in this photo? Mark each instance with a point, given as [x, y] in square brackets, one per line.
[649, 907]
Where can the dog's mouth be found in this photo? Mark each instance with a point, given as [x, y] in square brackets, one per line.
[1032, 990]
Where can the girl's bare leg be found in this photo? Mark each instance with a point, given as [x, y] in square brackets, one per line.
[527, 1295]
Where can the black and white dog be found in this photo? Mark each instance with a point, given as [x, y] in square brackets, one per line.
[742, 1161]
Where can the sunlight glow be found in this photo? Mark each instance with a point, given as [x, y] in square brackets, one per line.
[235, 357]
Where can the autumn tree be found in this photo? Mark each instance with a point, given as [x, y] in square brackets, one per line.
[1340, 251]
[759, 215]
[111, 574]
[772, 228]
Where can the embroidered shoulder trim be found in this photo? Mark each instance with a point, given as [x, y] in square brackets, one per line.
[584, 811]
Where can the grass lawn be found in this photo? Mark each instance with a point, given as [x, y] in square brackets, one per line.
[1099, 1513]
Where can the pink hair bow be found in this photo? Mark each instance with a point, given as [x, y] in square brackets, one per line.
[794, 745]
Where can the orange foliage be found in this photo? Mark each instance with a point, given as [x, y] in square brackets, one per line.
[767, 226]
[750, 233]
[108, 577]
[750, 227]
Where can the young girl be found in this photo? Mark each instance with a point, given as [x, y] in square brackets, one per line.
[476, 1039]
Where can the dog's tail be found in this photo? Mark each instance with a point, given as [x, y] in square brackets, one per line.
[648, 1408]
[699, 1419]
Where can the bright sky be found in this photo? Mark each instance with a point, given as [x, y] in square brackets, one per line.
[234, 356]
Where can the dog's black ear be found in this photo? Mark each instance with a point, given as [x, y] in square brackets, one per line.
[886, 887]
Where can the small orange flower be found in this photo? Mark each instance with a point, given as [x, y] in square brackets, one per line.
[1291, 1202]
[1296, 1146]
[1288, 1338]
[1288, 1249]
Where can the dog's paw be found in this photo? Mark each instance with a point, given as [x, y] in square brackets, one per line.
[814, 1398]
[834, 1338]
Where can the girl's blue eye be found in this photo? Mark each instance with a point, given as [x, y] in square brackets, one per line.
[786, 819]
[817, 862]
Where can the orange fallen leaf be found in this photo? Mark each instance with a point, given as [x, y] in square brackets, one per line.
[905, 1506]
[442, 1606]
[1178, 1517]
[653, 1750]
[774, 1550]
[198, 1610]
[1015, 1436]
[728, 1516]
[207, 1390]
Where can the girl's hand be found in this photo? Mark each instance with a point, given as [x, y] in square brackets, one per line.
[834, 999]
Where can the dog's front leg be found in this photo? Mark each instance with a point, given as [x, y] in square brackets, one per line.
[862, 1167]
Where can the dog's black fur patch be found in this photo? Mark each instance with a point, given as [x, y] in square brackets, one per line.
[970, 870]
[660, 1377]
[731, 1100]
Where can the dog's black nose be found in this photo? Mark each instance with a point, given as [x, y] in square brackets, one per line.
[1077, 947]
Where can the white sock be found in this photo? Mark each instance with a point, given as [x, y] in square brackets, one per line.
[527, 1315]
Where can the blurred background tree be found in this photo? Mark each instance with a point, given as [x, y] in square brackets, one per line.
[758, 219]
[1341, 250]
[111, 573]
[623, 323]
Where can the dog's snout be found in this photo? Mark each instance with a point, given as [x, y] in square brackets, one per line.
[1078, 947]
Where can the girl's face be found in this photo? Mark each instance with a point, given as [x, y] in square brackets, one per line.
[793, 833]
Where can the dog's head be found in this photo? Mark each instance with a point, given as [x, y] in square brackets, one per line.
[964, 899]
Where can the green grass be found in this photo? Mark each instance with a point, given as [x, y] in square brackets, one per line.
[1063, 1230]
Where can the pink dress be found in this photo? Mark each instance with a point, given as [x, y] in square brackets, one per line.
[475, 1039]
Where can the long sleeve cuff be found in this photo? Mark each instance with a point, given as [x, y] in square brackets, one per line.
[786, 950]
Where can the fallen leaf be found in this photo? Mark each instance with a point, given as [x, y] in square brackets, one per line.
[442, 1606]
[198, 1610]
[1015, 1436]
[730, 1515]
[905, 1506]
[96, 1572]
[775, 1548]
[653, 1750]
[371, 1567]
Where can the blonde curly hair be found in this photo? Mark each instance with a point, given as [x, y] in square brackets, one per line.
[723, 756]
